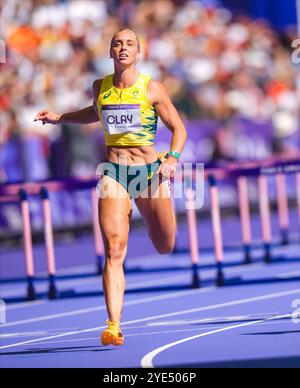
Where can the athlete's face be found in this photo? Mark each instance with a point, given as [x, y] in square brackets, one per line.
[124, 48]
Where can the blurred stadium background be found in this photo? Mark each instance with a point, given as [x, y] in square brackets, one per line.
[226, 64]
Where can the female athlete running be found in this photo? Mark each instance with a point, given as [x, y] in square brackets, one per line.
[128, 104]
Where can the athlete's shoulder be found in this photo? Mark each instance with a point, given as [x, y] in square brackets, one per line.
[156, 91]
[97, 86]
[156, 85]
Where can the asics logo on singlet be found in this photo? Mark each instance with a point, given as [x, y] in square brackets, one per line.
[123, 119]
[135, 93]
[107, 95]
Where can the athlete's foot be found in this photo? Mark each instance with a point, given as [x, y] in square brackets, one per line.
[112, 335]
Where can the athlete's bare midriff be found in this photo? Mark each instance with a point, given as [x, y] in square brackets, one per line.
[131, 155]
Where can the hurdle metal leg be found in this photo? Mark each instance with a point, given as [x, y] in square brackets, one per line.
[49, 241]
[298, 197]
[245, 217]
[265, 217]
[175, 250]
[27, 238]
[283, 208]
[217, 230]
[220, 275]
[193, 235]
[247, 254]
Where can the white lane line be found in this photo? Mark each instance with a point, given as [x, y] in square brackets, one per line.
[209, 320]
[77, 270]
[141, 284]
[154, 317]
[17, 306]
[263, 323]
[78, 283]
[147, 360]
[37, 333]
[23, 334]
[13, 290]
[65, 341]
[100, 308]
[288, 275]
[7, 292]
[103, 307]
[162, 281]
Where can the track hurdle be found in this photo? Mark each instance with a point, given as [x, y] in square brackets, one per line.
[244, 208]
[283, 207]
[19, 193]
[217, 229]
[278, 169]
[298, 196]
[48, 228]
[27, 241]
[265, 216]
[49, 243]
[259, 171]
[193, 237]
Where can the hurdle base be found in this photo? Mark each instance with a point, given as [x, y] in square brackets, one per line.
[196, 281]
[220, 279]
[31, 295]
[284, 237]
[267, 255]
[195, 277]
[247, 252]
[52, 291]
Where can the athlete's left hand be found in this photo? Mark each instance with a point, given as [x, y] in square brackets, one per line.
[168, 167]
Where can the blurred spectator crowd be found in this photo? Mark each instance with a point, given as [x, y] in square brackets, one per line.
[215, 65]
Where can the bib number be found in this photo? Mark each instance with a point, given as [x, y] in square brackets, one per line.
[118, 119]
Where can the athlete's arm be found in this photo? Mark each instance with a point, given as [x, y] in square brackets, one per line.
[87, 115]
[159, 98]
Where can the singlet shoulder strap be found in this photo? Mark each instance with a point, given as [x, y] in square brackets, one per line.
[107, 83]
[145, 79]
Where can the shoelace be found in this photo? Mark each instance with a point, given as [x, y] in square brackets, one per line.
[115, 326]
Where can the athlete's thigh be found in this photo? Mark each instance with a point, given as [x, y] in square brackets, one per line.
[158, 212]
[115, 210]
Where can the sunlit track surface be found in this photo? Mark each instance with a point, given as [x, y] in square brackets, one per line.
[249, 322]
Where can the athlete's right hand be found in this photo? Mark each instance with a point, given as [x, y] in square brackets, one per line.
[47, 117]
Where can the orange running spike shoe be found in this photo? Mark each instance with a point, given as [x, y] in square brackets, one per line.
[112, 335]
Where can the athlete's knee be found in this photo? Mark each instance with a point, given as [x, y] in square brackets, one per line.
[166, 248]
[116, 250]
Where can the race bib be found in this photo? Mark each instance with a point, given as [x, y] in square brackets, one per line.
[118, 119]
